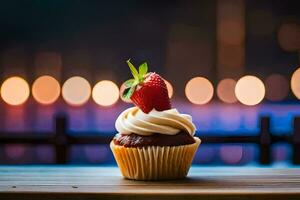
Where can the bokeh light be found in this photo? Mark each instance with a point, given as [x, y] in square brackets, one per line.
[225, 90]
[277, 87]
[289, 36]
[170, 88]
[76, 91]
[231, 154]
[250, 90]
[15, 90]
[46, 90]
[295, 83]
[231, 32]
[199, 90]
[230, 22]
[14, 151]
[105, 93]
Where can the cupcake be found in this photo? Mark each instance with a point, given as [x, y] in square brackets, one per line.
[154, 141]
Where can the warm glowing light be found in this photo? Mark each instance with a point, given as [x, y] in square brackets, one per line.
[199, 90]
[277, 87]
[295, 83]
[170, 88]
[76, 91]
[225, 90]
[105, 93]
[231, 32]
[289, 36]
[230, 22]
[45, 90]
[250, 90]
[15, 90]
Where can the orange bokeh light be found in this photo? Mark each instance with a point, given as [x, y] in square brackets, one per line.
[250, 90]
[15, 90]
[170, 88]
[199, 90]
[277, 87]
[295, 83]
[225, 90]
[46, 90]
[105, 93]
[76, 91]
[231, 32]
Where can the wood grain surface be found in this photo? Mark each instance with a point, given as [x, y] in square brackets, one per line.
[64, 182]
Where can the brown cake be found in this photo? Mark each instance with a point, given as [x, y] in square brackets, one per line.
[135, 140]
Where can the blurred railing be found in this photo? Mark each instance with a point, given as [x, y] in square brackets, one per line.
[61, 139]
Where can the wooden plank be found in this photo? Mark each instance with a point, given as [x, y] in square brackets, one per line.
[61, 182]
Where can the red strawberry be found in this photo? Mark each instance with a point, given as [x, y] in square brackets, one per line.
[147, 90]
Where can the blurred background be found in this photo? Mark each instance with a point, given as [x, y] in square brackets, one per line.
[226, 62]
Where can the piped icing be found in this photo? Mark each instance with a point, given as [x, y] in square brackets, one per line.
[168, 122]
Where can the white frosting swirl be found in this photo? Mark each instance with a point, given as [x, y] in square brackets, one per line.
[168, 122]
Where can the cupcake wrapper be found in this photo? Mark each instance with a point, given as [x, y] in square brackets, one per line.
[155, 162]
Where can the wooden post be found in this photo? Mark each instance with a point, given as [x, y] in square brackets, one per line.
[60, 139]
[296, 141]
[265, 141]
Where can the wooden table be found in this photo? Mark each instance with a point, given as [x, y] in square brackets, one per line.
[65, 182]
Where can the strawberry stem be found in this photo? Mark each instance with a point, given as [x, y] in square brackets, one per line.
[133, 70]
[138, 78]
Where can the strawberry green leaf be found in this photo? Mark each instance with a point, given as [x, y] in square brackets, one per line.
[133, 70]
[143, 69]
[128, 93]
[129, 83]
